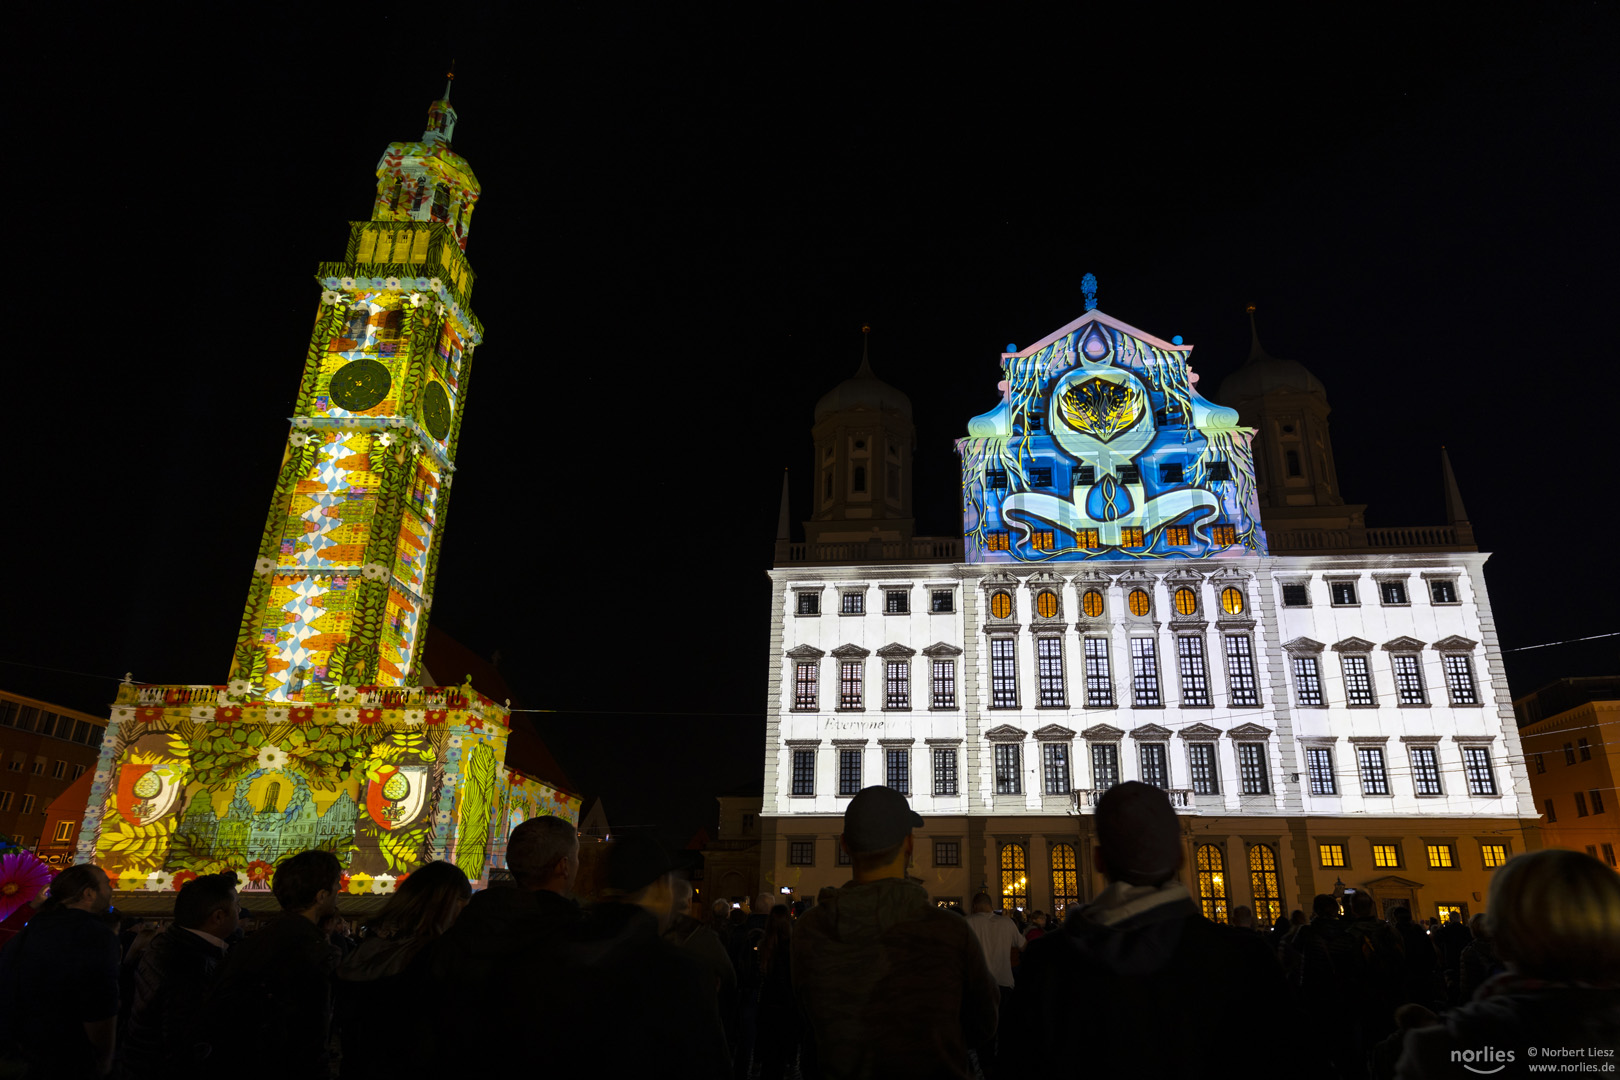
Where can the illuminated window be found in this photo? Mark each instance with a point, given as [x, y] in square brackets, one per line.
[1055, 768]
[1264, 884]
[801, 853]
[1049, 655]
[1155, 770]
[849, 772]
[853, 603]
[1211, 882]
[1046, 604]
[1220, 470]
[1009, 769]
[1186, 601]
[1087, 539]
[1358, 689]
[1307, 681]
[1408, 679]
[1099, 679]
[1232, 600]
[899, 770]
[1252, 769]
[1201, 761]
[1319, 764]
[1460, 679]
[1065, 878]
[64, 831]
[1169, 474]
[849, 685]
[1194, 677]
[1130, 536]
[1496, 854]
[1296, 596]
[1241, 686]
[1331, 854]
[1343, 593]
[1425, 770]
[806, 693]
[1224, 535]
[896, 602]
[1014, 877]
[1178, 536]
[1387, 856]
[804, 772]
[1041, 540]
[944, 684]
[1441, 857]
[1145, 672]
[1003, 674]
[1001, 605]
[1443, 591]
[944, 770]
[1092, 603]
[995, 541]
[1139, 602]
[1104, 766]
[1374, 780]
[947, 852]
[1392, 592]
[897, 684]
[1085, 474]
[942, 601]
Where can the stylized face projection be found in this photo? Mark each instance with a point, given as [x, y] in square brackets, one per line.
[1100, 408]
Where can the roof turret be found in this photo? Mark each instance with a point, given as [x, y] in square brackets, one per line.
[1263, 373]
[863, 390]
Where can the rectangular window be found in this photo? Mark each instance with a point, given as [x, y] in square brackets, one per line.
[1085, 474]
[1201, 760]
[1585, 750]
[1223, 535]
[1049, 651]
[1541, 763]
[1425, 770]
[947, 853]
[60, 772]
[942, 601]
[15, 765]
[896, 602]
[1220, 470]
[1041, 540]
[78, 771]
[1569, 753]
[1293, 463]
[1319, 763]
[27, 805]
[841, 857]
[897, 684]
[801, 853]
[1252, 769]
[804, 772]
[64, 831]
[1104, 766]
[1597, 800]
[1055, 763]
[1343, 593]
[1003, 674]
[1374, 780]
[47, 723]
[852, 603]
[1493, 854]
[1130, 536]
[1387, 856]
[1441, 857]
[1130, 474]
[1009, 780]
[1608, 854]
[944, 770]
[1460, 680]
[1154, 770]
[1144, 672]
[1307, 680]
[1408, 680]
[1580, 804]
[849, 772]
[899, 770]
[1331, 854]
[995, 479]
[1240, 671]
[1040, 476]
[1552, 815]
[849, 685]
[1296, 596]
[1178, 536]
[809, 603]
[5, 800]
[995, 541]
[1099, 680]
[8, 714]
[1477, 767]
[1392, 592]
[1443, 592]
[1169, 474]
[1358, 688]
[806, 695]
[944, 684]
[38, 769]
[1087, 539]
[26, 715]
[1194, 676]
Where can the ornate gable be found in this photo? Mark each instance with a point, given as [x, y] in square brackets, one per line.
[1303, 645]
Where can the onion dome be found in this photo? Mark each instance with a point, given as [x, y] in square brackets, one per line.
[1262, 374]
[863, 390]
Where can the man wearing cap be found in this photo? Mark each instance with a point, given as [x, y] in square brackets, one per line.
[1164, 987]
[892, 985]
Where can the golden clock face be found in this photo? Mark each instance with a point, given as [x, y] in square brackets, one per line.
[436, 411]
[360, 384]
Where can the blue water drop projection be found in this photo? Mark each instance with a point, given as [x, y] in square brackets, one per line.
[1176, 340]
[1095, 346]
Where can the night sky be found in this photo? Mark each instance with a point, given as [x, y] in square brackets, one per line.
[688, 214]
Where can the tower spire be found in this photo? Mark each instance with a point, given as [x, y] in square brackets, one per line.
[449, 79]
[1456, 513]
[782, 517]
[866, 360]
[1257, 352]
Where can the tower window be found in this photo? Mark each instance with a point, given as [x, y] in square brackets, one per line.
[1042, 540]
[1223, 535]
[859, 482]
[1130, 474]
[1085, 474]
[1087, 539]
[1041, 476]
[995, 478]
[1170, 474]
[1178, 536]
[1293, 463]
[441, 202]
[1130, 536]
[1220, 470]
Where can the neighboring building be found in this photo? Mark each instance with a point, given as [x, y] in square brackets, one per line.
[324, 733]
[44, 748]
[731, 861]
[1333, 714]
[1572, 753]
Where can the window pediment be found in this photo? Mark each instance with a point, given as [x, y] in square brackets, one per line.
[1354, 645]
[805, 652]
[1229, 575]
[1390, 881]
[1138, 578]
[939, 650]
[1303, 645]
[1000, 579]
[1102, 733]
[1043, 579]
[851, 652]
[1455, 643]
[1053, 732]
[896, 651]
[1005, 733]
[1182, 576]
[1403, 644]
[1154, 732]
[1097, 579]
[1200, 731]
[1249, 731]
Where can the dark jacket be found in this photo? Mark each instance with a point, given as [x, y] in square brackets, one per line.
[892, 985]
[1123, 964]
[1511, 1013]
[371, 983]
[58, 974]
[271, 1010]
[1479, 964]
[171, 983]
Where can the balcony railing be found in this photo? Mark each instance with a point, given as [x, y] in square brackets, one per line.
[1459, 537]
[853, 552]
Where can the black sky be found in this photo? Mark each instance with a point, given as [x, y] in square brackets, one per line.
[688, 214]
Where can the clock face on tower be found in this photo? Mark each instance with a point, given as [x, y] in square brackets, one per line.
[435, 410]
[360, 385]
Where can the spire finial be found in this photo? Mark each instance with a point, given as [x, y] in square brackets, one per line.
[1256, 351]
[782, 515]
[1088, 286]
[449, 77]
[866, 337]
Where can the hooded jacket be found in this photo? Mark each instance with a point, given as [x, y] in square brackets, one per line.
[892, 985]
[1510, 1014]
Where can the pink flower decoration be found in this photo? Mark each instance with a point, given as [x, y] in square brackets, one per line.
[22, 876]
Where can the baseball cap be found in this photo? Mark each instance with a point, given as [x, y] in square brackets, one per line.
[1138, 833]
[877, 819]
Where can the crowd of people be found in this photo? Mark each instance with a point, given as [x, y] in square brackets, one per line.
[869, 980]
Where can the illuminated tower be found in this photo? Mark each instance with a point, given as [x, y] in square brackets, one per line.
[344, 577]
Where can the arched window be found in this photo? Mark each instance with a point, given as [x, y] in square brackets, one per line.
[1001, 605]
[1065, 878]
[1211, 882]
[1263, 879]
[1014, 877]
[1092, 603]
[272, 796]
[1139, 602]
[354, 325]
[393, 198]
[1046, 603]
[860, 478]
[1232, 601]
[1186, 601]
